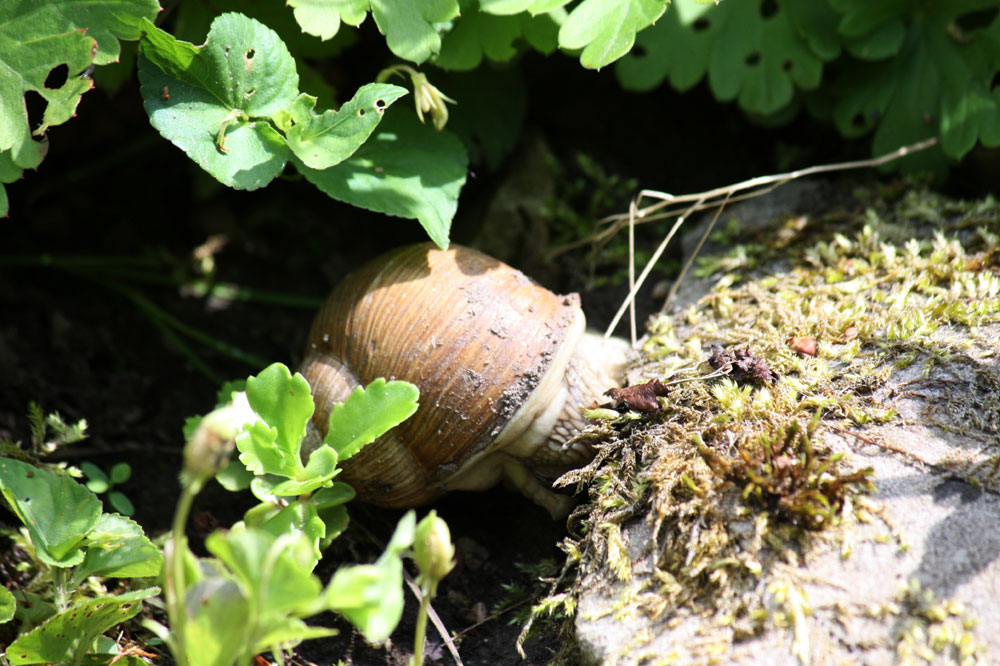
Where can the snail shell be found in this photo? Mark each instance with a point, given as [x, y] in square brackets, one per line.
[504, 368]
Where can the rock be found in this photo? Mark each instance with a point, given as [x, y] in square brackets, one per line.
[696, 570]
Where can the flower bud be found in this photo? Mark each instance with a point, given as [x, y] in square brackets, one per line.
[426, 96]
[207, 451]
[433, 552]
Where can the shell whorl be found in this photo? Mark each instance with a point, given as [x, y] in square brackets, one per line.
[475, 335]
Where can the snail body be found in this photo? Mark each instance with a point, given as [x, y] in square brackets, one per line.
[503, 365]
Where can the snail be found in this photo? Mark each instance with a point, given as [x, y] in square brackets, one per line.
[504, 366]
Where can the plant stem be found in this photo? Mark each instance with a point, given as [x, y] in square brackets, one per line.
[174, 586]
[421, 631]
[61, 593]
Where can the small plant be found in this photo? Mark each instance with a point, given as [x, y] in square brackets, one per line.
[782, 473]
[71, 543]
[256, 591]
[435, 557]
[48, 433]
[99, 482]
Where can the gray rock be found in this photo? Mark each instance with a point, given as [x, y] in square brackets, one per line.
[910, 574]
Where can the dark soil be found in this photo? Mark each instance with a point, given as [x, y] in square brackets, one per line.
[71, 341]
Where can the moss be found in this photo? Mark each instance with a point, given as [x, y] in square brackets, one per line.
[731, 478]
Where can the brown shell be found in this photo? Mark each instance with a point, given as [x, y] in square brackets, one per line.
[475, 336]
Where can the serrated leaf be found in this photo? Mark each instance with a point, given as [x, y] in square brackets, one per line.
[321, 468]
[323, 140]
[606, 29]
[284, 402]
[323, 17]
[37, 37]
[117, 548]
[57, 510]
[368, 413]
[8, 605]
[67, 636]
[410, 26]
[405, 169]
[213, 101]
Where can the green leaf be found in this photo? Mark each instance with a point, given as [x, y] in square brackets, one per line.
[36, 38]
[477, 34]
[504, 7]
[323, 140]
[120, 503]
[261, 454]
[334, 521]
[759, 60]
[8, 605]
[405, 169]
[57, 510]
[68, 636]
[120, 473]
[218, 617]
[678, 47]
[235, 477]
[368, 413]
[323, 17]
[298, 517]
[410, 26]
[284, 403]
[9, 173]
[370, 596]
[275, 571]
[321, 468]
[117, 548]
[214, 101]
[606, 29]
[939, 82]
[335, 495]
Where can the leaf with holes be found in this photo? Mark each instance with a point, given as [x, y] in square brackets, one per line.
[214, 101]
[45, 40]
[759, 60]
[69, 635]
[677, 48]
[411, 27]
[939, 82]
[322, 140]
[606, 29]
[405, 169]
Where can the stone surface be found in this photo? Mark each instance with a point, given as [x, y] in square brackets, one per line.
[863, 589]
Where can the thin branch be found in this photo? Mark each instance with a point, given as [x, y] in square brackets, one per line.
[718, 198]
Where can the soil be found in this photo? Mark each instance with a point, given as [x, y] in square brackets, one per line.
[77, 344]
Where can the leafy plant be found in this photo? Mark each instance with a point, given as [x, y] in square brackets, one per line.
[48, 433]
[906, 70]
[256, 592]
[99, 482]
[70, 540]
